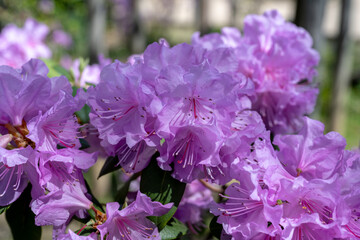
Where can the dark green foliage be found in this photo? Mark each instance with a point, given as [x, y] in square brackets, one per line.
[109, 166]
[21, 219]
[173, 230]
[124, 189]
[96, 203]
[215, 227]
[160, 186]
[84, 144]
[83, 114]
[4, 208]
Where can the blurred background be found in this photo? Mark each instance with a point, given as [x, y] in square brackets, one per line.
[118, 28]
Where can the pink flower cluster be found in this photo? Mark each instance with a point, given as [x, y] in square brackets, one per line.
[40, 143]
[278, 58]
[306, 190]
[19, 45]
[207, 110]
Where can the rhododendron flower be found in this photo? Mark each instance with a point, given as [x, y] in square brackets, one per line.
[57, 207]
[192, 150]
[19, 45]
[122, 109]
[37, 112]
[57, 126]
[248, 209]
[198, 106]
[310, 153]
[131, 222]
[278, 58]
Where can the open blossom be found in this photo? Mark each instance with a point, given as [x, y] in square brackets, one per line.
[19, 45]
[192, 150]
[12, 183]
[283, 80]
[121, 111]
[248, 209]
[58, 125]
[24, 94]
[57, 207]
[308, 187]
[36, 118]
[60, 176]
[310, 208]
[177, 95]
[131, 222]
[310, 153]
[199, 104]
[278, 58]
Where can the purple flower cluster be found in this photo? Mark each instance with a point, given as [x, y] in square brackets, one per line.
[206, 110]
[40, 142]
[277, 56]
[202, 107]
[306, 190]
[19, 45]
[172, 100]
[131, 222]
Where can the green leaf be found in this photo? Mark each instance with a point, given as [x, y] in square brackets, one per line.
[84, 144]
[109, 166]
[58, 146]
[74, 90]
[96, 203]
[83, 64]
[56, 70]
[21, 219]
[160, 186]
[161, 221]
[4, 208]
[215, 227]
[83, 114]
[62, 71]
[173, 230]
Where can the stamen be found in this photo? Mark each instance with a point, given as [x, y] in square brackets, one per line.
[60, 171]
[184, 154]
[240, 205]
[311, 206]
[126, 154]
[66, 144]
[118, 113]
[65, 130]
[194, 108]
[353, 225]
[126, 225]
